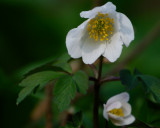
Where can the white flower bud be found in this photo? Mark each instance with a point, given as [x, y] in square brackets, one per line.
[118, 110]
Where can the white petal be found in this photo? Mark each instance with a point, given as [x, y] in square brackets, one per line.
[74, 40]
[105, 113]
[113, 48]
[108, 7]
[114, 105]
[114, 117]
[91, 50]
[124, 121]
[126, 109]
[125, 28]
[122, 97]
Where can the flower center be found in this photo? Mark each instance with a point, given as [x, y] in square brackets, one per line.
[117, 112]
[100, 27]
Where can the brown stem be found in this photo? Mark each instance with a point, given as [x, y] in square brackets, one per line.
[49, 115]
[106, 125]
[96, 95]
[96, 106]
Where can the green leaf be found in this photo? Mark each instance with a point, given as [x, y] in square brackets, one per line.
[128, 79]
[152, 84]
[65, 66]
[62, 62]
[64, 58]
[46, 67]
[64, 91]
[58, 65]
[151, 112]
[36, 80]
[65, 88]
[81, 80]
[25, 92]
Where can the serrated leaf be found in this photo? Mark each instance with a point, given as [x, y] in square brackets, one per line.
[128, 79]
[25, 92]
[81, 80]
[64, 92]
[153, 84]
[35, 80]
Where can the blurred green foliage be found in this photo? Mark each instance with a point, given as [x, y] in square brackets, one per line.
[33, 32]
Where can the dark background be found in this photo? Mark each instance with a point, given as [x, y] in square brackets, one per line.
[33, 31]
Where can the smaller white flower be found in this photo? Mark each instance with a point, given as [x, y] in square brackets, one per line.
[118, 110]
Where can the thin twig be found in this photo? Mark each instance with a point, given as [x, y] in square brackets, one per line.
[148, 39]
[109, 79]
[49, 114]
[96, 95]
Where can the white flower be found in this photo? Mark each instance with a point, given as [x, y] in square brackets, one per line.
[118, 110]
[103, 33]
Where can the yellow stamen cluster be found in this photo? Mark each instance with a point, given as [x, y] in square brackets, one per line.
[117, 112]
[100, 27]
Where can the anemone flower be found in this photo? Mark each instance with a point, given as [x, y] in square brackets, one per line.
[118, 110]
[102, 34]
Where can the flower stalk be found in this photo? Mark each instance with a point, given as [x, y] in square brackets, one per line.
[118, 110]
[96, 95]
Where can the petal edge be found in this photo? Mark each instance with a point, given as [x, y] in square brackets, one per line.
[106, 8]
[125, 28]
